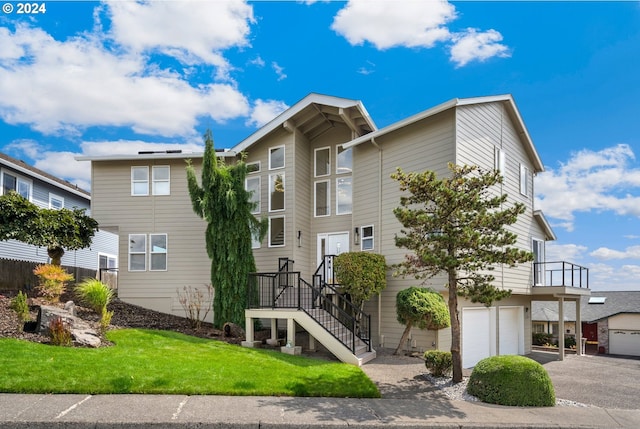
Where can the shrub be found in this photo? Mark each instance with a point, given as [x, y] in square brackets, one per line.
[52, 281]
[60, 333]
[194, 302]
[105, 320]
[438, 362]
[541, 338]
[20, 306]
[511, 380]
[570, 342]
[95, 294]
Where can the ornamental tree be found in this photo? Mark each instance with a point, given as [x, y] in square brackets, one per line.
[362, 275]
[421, 307]
[226, 206]
[457, 226]
[57, 230]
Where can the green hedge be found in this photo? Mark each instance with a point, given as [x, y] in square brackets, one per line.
[438, 362]
[512, 380]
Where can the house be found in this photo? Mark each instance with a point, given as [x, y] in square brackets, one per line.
[47, 191]
[320, 173]
[609, 319]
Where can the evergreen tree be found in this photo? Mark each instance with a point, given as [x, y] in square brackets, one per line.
[456, 225]
[226, 206]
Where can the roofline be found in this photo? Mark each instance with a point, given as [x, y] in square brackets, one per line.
[297, 108]
[45, 177]
[505, 98]
[540, 217]
[152, 156]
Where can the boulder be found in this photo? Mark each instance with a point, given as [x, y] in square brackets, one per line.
[233, 330]
[81, 331]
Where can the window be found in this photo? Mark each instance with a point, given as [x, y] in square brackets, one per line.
[253, 167]
[524, 180]
[276, 157]
[12, 182]
[322, 162]
[137, 252]
[255, 242]
[157, 252]
[107, 261]
[322, 198]
[538, 328]
[276, 231]
[276, 192]
[343, 197]
[160, 180]
[252, 185]
[537, 247]
[139, 180]
[55, 202]
[344, 161]
[499, 161]
[367, 237]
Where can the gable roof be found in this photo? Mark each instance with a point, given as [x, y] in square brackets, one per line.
[506, 100]
[616, 302]
[30, 171]
[314, 115]
[546, 227]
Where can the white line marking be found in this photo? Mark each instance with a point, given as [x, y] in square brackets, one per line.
[179, 410]
[71, 408]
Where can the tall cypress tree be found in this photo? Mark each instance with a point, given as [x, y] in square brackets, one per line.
[226, 206]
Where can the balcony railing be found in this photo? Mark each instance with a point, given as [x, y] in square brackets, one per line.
[560, 273]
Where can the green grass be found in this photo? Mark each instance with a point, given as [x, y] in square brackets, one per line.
[162, 362]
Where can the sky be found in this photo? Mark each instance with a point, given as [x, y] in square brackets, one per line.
[96, 78]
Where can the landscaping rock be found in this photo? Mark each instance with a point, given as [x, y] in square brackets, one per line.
[233, 330]
[81, 331]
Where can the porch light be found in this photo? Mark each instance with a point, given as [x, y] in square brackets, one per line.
[299, 235]
[356, 235]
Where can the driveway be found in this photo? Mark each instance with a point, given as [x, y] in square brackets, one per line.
[599, 380]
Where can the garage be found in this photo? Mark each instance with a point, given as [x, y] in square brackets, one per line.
[510, 331]
[624, 342]
[478, 335]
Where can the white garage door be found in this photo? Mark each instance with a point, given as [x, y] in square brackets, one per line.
[478, 335]
[623, 342]
[510, 331]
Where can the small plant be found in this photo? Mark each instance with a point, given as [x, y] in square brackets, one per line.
[438, 362]
[194, 301]
[105, 320]
[20, 306]
[52, 281]
[569, 342]
[541, 338]
[60, 333]
[512, 380]
[95, 294]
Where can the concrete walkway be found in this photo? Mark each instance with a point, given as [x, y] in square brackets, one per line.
[148, 411]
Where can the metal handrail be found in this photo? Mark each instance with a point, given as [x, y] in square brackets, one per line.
[571, 275]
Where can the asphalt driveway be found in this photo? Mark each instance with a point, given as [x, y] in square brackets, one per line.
[599, 380]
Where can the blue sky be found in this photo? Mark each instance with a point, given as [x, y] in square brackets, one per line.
[116, 77]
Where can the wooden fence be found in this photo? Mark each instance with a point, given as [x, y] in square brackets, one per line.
[18, 275]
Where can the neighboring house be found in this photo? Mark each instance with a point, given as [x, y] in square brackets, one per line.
[320, 173]
[47, 191]
[609, 319]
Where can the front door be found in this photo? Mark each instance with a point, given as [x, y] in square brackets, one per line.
[331, 244]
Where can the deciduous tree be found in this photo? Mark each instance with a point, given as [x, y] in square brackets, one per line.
[457, 226]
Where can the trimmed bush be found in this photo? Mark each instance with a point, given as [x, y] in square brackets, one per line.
[438, 362]
[512, 380]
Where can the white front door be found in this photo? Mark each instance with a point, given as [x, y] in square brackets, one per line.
[331, 244]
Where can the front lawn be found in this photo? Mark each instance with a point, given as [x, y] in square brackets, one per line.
[163, 362]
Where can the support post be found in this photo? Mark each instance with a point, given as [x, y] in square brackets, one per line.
[561, 328]
[578, 328]
[291, 332]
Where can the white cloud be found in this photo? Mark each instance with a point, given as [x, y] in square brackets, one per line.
[64, 87]
[264, 111]
[415, 24]
[472, 45]
[603, 277]
[279, 71]
[590, 180]
[564, 252]
[605, 253]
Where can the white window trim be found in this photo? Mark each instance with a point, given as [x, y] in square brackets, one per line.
[338, 196]
[363, 237]
[284, 238]
[315, 198]
[19, 179]
[338, 164]
[500, 161]
[133, 194]
[524, 180]
[284, 201]
[55, 197]
[541, 274]
[258, 194]
[129, 253]
[108, 256]
[284, 157]
[257, 170]
[315, 162]
[165, 252]
[154, 180]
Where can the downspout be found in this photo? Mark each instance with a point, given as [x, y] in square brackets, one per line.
[379, 234]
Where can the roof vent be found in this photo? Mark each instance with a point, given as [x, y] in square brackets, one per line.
[597, 299]
[150, 152]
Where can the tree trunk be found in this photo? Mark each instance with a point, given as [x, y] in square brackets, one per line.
[456, 357]
[405, 336]
[55, 253]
